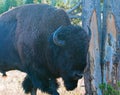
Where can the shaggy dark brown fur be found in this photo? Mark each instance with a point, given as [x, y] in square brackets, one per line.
[26, 44]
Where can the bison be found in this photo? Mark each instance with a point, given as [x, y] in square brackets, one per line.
[39, 39]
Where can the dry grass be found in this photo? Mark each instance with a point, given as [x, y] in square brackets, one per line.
[11, 85]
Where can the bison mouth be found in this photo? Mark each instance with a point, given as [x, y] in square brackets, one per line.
[70, 85]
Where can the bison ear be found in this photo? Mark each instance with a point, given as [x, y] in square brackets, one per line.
[89, 33]
[56, 40]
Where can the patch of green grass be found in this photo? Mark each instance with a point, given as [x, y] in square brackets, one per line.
[108, 89]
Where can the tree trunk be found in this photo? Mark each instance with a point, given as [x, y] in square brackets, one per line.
[116, 13]
[111, 46]
[91, 17]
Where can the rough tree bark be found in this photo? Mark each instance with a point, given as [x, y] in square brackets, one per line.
[104, 51]
[111, 42]
[91, 17]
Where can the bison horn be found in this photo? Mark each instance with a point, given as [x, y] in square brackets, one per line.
[89, 32]
[56, 40]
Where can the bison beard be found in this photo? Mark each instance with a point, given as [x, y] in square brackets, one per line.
[40, 41]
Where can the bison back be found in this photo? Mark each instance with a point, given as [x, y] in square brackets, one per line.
[31, 25]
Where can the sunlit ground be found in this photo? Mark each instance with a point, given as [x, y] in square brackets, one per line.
[11, 85]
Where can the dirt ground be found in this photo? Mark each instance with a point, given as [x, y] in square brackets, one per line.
[11, 85]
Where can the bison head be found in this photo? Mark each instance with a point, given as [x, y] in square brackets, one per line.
[69, 53]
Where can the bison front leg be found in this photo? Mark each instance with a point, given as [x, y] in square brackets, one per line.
[34, 91]
[53, 87]
[49, 86]
[28, 86]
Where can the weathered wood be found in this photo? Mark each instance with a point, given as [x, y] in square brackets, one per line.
[115, 5]
[111, 27]
[86, 14]
[94, 50]
[91, 17]
[110, 50]
[108, 44]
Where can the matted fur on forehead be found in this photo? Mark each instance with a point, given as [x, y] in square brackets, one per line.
[73, 34]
